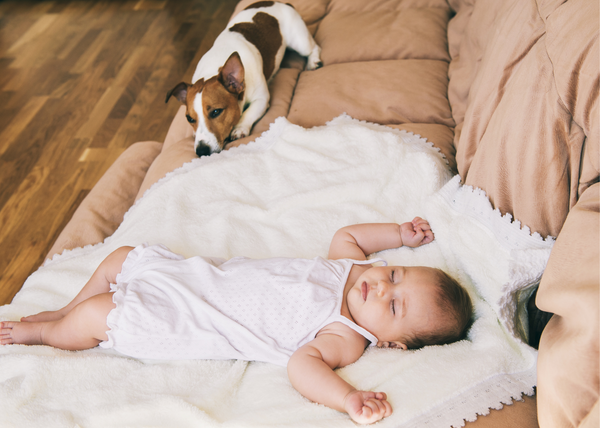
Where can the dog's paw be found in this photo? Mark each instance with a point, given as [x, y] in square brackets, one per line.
[238, 133]
[314, 65]
[314, 59]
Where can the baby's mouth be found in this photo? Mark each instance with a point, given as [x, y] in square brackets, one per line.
[365, 290]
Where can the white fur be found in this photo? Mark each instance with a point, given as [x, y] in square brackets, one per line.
[256, 95]
[202, 133]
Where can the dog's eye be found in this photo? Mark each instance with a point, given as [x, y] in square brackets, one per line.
[215, 113]
[190, 118]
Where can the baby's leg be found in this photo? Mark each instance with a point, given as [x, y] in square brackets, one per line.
[99, 283]
[83, 327]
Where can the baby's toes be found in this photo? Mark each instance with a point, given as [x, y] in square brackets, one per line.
[6, 332]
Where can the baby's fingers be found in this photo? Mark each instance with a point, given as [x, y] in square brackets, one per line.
[422, 231]
[419, 222]
[381, 395]
[428, 236]
[387, 407]
[374, 410]
[366, 407]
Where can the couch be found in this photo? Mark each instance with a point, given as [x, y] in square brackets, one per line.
[507, 90]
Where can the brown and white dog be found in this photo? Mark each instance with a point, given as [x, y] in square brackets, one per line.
[229, 91]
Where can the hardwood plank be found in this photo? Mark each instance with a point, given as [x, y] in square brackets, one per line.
[22, 198]
[6, 72]
[150, 5]
[80, 81]
[34, 32]
[20, 158]
[23, 118]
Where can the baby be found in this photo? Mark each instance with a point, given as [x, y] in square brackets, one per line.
[313, 315]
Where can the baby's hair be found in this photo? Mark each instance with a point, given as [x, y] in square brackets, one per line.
[456, 304]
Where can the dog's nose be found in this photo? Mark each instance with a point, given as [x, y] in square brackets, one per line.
[202, 149]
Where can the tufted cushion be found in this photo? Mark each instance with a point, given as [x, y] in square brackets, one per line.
[390, 92]
[384, 62]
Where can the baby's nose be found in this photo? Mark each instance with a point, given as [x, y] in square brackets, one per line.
[382, 288]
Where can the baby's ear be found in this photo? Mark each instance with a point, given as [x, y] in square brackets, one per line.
[395, 344]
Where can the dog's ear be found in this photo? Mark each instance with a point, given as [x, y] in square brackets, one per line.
[232, 74]
[179, 91]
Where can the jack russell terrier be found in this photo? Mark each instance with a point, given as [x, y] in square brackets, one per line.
[229, 91]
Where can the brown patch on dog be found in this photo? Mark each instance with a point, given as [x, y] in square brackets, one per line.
[260, 4]
[263, 33]
[217, 97]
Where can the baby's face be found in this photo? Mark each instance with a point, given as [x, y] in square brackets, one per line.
[395, 302]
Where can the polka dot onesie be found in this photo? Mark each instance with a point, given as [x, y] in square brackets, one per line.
[169, 307]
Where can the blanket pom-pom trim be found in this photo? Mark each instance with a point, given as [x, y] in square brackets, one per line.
[345, 118]
[474, 202]
[466, 406]
[529, 251]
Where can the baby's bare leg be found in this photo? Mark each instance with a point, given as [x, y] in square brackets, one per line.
[83, 327]
[99, 283]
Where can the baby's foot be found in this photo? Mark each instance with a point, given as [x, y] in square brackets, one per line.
[44, 316]
[14, 332]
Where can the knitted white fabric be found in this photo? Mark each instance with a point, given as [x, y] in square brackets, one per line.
[286, 195]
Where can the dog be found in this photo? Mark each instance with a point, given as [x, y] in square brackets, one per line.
[229, 90]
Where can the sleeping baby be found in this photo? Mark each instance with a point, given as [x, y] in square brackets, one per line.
[311, 315]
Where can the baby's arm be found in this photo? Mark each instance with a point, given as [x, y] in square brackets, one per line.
[359, 240]
[310, 370]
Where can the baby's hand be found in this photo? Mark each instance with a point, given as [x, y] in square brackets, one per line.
[416, 233]
[366, 407]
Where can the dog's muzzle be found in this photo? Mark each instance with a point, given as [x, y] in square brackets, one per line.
[202, 149]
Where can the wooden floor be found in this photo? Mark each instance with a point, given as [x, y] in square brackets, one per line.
[80, 81]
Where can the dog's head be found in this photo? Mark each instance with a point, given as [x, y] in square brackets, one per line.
[212, 105]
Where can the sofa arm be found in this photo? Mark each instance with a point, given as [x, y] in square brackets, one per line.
[568, 362]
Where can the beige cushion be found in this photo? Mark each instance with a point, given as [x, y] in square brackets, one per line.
[517, 141]
[171, 157]
[386, 92]
[179, 129]
[575, 63]
[347, 36]
[592, 420]
[519, 414]
[568, 372]
[282, 88]
[511, 78]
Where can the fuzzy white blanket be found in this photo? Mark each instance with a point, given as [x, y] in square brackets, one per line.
[286, 195]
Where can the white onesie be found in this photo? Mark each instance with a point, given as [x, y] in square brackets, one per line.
[169, 307]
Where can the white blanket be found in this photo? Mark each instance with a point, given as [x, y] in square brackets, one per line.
[286, 195]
